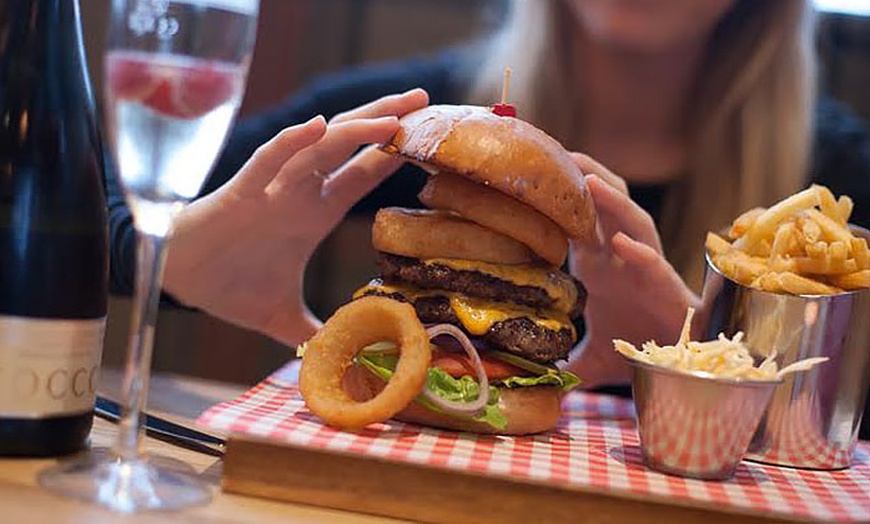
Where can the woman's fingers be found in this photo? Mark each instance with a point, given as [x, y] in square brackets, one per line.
[590, 166]
[315, 163]
[359, 176]
[619, 213]
[633, 252]
[265, 163]
[379, 125]
[651, 266]
[391, 105]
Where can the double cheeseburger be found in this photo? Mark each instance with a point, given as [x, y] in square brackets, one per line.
[503, 199]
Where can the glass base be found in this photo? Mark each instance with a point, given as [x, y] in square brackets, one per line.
[142, 484]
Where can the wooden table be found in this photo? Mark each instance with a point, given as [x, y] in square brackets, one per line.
[180, 399]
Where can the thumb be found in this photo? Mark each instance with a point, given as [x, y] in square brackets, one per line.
[292, 329]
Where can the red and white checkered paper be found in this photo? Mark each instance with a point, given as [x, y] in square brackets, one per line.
[594, 447]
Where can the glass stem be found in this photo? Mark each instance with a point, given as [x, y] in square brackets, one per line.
[149, 271]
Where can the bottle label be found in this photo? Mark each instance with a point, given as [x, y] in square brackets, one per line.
[49, 367]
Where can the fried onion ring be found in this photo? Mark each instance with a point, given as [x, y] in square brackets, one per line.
[424, 233]
[497, 211]
[330, 353]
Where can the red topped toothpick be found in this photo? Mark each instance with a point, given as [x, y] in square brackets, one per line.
[505, 109]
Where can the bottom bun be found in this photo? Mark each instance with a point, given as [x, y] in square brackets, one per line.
[528, 410]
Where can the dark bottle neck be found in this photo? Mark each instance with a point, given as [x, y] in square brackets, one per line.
[53, 234]
[42, 40]
[45, 91]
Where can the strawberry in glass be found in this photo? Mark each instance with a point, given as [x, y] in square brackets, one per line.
[170, 114]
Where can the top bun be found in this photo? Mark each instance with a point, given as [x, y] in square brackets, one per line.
[505, 153]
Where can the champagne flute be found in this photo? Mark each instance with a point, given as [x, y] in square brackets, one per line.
[175, 72]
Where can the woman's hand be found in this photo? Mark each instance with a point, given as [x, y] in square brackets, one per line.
[240, 253]
[634, 293]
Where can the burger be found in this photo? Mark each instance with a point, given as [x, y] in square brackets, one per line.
[482, 265]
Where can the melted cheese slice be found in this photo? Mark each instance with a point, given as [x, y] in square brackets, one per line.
[477, 316]
[559, 286]
[410, 293]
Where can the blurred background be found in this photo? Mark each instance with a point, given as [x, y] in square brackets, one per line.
[301, 39]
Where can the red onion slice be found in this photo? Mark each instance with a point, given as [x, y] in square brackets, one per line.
[483, 394]
[451, 345]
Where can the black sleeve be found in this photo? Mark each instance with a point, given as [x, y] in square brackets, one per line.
[122, 235]
[842, 157]
[328, 96]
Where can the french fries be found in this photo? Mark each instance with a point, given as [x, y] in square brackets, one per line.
[717, 245]
[844, 208]
[809, 229]
[785, 242]
[765, 225]
[828, 203]
[823, 266]
[861, 252]
[830, 226]
[852, 281]
[742, 223]
[741, 267]
[801, 246]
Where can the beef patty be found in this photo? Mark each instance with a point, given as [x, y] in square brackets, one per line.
[522, 335]
[396, 268]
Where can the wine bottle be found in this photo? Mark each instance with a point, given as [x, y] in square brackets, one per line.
[53, 231]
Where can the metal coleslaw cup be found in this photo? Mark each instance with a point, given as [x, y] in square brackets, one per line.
[814, 416]
[693, 424]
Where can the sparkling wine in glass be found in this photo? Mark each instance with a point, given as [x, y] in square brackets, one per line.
[174, 75]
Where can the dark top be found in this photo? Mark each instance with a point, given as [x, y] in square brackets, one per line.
[841, 158]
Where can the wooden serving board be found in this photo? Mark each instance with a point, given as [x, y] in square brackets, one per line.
[589, 469]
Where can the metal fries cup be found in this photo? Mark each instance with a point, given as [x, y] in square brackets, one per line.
[814, 416]
[693, 424]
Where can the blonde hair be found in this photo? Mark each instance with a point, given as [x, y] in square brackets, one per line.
[752, 117]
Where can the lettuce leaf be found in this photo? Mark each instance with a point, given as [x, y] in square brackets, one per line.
[382, 362]
[545, 375]
[562, 379]
[381, 365]
[464, 389]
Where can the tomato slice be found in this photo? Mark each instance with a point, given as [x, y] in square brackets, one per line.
[459, 364]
